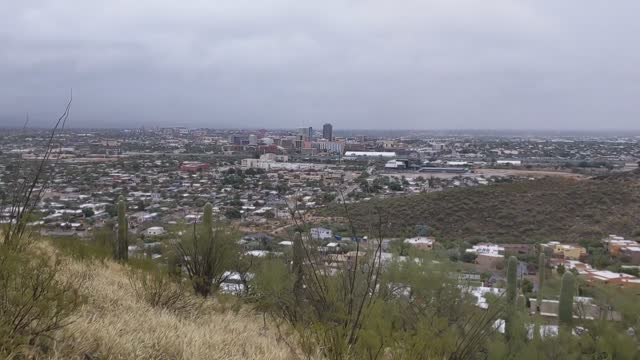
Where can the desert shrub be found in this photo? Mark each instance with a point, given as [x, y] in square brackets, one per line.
[207, 252]
[272, 290]
[82, 250]
[158, 289]
[96, 250]
[35, 300]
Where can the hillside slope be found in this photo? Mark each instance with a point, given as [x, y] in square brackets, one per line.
[114, 324]
[546, 209]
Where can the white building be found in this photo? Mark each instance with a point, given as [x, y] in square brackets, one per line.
[370, 154]
[330, 146]
[234, 282]
[258, 253]
[275, 165]
[253, 140]
[321, 233]
[274, 157]
[421, 242]
[479, 292]
[395, 164]
[614, 243]
[457, 163]
[154, 231]
[486, 249]
[509, 162]
[272, 161]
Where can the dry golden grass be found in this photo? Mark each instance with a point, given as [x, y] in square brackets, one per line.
[114, 324]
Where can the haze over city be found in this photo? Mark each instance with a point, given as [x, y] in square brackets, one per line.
[284, 64]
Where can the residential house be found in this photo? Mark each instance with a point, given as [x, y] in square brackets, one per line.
[154, 231]
[583, 308]
[565, 251]
[193, 166]
[612, 278]
[479, 292]
[262, 239]
[320, 233]
[615, 244]
[630, 254]
[579, 266]
[421, 242]
[485, 248]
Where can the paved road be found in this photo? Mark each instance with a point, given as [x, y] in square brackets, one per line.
[488, 172]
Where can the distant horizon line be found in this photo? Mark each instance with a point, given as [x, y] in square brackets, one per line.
[224, 128]
[388, 133]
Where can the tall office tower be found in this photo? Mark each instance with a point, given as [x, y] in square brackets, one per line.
[253, 140]
[235, 140]
[327, 131]
[307, 133]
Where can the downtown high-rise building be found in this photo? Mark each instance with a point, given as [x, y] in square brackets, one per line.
[327, 131]
[306, 133]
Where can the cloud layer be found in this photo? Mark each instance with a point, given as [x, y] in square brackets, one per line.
[358, 64]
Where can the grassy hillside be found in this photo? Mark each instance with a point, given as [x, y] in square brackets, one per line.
[545, 209]
[114, 324]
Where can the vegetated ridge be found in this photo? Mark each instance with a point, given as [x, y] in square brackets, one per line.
[551, 208]
[114, 323]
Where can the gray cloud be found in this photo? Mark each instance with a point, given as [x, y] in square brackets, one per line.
[359, 64]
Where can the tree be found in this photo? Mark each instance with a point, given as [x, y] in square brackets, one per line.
[469, 257]
[527, 286]
[282, 188]
[327, 197]
[269, 214]
[88, 212]
[207, 252]
[395, 186]
[121, 248]
[567, 291]
[111, 210]
[233, 213]
[422, 230]
[560, 269]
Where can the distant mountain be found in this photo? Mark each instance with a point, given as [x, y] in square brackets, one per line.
[566, 210]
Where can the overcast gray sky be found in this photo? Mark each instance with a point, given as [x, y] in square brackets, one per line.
[550, 64]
